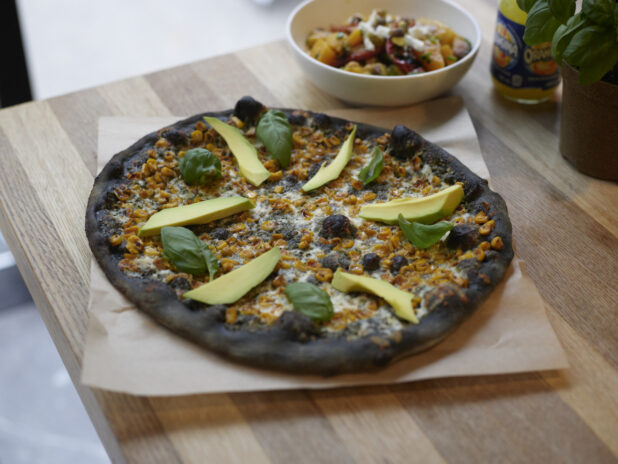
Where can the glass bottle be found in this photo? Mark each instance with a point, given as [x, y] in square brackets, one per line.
[521, 73]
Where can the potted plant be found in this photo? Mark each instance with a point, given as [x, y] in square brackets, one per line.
[585, 44]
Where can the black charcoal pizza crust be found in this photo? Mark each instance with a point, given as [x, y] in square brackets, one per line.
[292, 344]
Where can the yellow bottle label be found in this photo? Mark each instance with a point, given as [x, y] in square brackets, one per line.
[519, 70]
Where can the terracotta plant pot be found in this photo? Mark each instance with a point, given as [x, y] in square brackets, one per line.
[589, 125]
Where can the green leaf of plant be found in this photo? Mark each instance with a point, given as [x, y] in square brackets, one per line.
[562, 10]
[187, 252]
[594, 72]
[559, 42]
[600, 11]
[594, 50]
[540, 24]
[565, 33]
[422, 235]
[371, 172]
[526, 5]
[199, 167]
[275, 132]
[310, 300]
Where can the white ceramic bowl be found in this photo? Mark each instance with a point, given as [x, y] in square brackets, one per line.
[362, 89]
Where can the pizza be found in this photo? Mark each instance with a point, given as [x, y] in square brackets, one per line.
[295, 241]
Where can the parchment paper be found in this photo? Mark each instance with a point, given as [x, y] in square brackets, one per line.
[126, 351]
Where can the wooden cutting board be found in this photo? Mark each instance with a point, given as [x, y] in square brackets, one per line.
[565, 226]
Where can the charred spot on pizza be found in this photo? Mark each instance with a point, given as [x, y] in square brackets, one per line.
[291, 181]
[469, 267]
[337, 225]
[220, 233]
[463, 236]
[290, 232]
[175, 137]
[335, 260]
[447, 295]
[397, 263]
[297, 118]
[247, 109]
[370, 262]
[108, 223]
[404, 142]
[322, 121]
[297, 326]
[380, 189]
[180, 283]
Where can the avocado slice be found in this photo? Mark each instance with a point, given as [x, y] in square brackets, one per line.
[332, 171]
[251, 168]
[426, 210]
[195, 213]
[400, 301]
[232, 286]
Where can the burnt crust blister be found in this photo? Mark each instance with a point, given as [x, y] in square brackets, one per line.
[293, 342]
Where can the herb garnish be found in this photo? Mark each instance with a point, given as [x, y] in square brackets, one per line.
[310, 300]
[422, 235]
[275, 132]
[199, 166]
[187, 252]
[587, 40]
[371, 172]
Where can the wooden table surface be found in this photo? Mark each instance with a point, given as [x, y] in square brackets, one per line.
[565, 226]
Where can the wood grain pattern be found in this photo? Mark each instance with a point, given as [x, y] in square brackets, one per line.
[229, 437]
[564, 228]
[356, 415]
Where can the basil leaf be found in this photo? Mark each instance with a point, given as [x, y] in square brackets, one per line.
[187, 252]
[564, 34]
[526, 5]
[275, 132]
[371, 172]
[211, 260]
[562, 9]
[310, 300]
[199, 166]
[421, 235]
[599, 11]
[594, 50]
[540, 24]
[594, 71]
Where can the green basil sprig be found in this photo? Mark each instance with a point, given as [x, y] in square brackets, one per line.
[564, 34]
[603, 12]
[310, 300]
[594, 50]
[525, 5]
[371, 172]
[541, 23]
[200, 167]
[587, 40]
[422, 235]
[562, 9]
[187, 252]
[275, 132]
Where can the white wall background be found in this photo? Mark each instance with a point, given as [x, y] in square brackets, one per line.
[74, 44]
